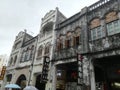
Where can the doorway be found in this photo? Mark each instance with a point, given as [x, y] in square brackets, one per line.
[39, 85]
[21, 81]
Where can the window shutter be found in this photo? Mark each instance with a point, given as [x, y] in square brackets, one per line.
[74, 41]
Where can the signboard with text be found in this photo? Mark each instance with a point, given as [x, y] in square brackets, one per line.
[80, 70]
[2, 72]
[45, 69]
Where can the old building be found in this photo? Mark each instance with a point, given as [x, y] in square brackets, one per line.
[86, 54]
[78, 53]
[21, 59]
[45, 49]
[68, 44]
[28, 55]
[103, 20]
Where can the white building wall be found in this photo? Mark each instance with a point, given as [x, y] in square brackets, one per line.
[51, 16]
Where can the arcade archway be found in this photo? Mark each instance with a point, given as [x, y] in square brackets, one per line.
[21, 81]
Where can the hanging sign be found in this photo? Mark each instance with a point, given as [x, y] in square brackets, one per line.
[80, 69]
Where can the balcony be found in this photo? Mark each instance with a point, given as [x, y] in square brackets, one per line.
[66, 53]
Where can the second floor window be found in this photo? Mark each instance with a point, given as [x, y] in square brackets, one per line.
[97, 33]
[10, 62]
[76, 41]
[47, 50]
[67, 43]
[26, 57]
[61, 45]
[32, 52]
[22, 56]
[113, 27]
[15, 60]
[39, 53]
[96, 30]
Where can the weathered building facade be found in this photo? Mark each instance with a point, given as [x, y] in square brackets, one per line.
[88, 44]
[81, 52]
[44, 49]
[69, 43]
[21, 59]
[28, 55]
[103, 28]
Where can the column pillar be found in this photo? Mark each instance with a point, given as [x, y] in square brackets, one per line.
[92, 76]
[54, 78]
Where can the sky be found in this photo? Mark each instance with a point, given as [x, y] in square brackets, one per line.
[17, 15]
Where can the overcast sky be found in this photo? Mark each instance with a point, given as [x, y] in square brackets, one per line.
[17, 15]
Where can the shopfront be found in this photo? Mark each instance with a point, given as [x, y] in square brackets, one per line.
[107, 73]
[67, 76]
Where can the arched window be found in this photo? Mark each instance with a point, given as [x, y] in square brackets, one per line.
[111, 16]
[32, 52]
[112, 22]
[57, 44]
[60, 42]
[15, 60]
[47, 48]
[76, 36]
[10, 62]
[26, 58]
[40, 50]
[68, 40]
[96, 30]
[22, 56]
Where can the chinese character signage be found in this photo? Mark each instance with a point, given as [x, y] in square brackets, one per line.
[45, 69]
[80, 69]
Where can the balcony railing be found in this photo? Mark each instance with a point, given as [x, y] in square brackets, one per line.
[98, 4]
[65, 54]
